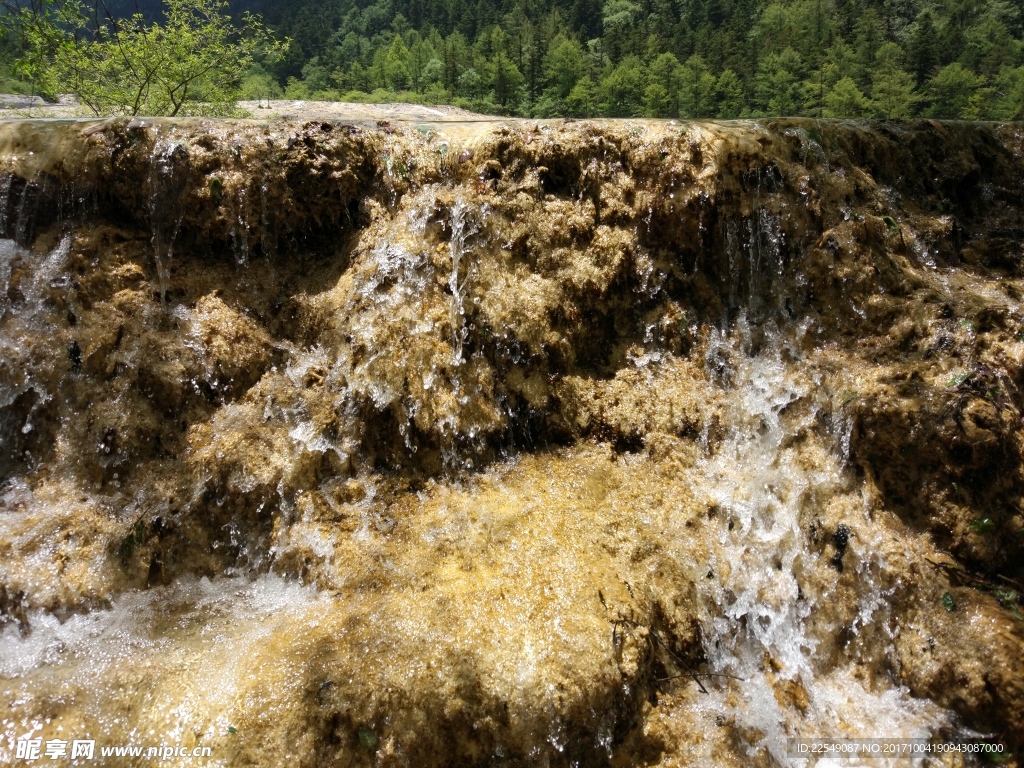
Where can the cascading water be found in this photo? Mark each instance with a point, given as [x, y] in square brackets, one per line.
[164, 214]
[534, 444]
[5, 201]
[763, 634]
[460, 230]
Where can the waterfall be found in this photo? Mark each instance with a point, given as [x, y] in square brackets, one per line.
[534, 443]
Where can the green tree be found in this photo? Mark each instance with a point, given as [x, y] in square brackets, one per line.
[433, 73]
[697, 95]
[358, 78]
[420, 53]
[506, 80]
[869, 36]
[729, 91]
[582, 99]
[470, 83]
[395, 65]
[258, 84]
[296, 89]
[845, 100]
[989, 46]
[10, 52]
[954, 93]
[622, 89]
[456, 58]
[191, 63]
[892, 88]
[662, 96]
[619, 20]
[564, 65]
[1009, 95]
[840, 61]
[349, 50]
[619, 13]
[316, 76]
[923, 52]
[657, 101]
[776, 86]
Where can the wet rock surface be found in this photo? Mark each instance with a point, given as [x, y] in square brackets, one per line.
[521, 443]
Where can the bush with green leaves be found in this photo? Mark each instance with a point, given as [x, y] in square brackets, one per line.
[190, 62]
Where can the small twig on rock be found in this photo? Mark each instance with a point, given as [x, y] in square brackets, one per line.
[655, 638]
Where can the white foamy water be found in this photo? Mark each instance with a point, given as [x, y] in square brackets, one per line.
[181, 655]
[761, 633]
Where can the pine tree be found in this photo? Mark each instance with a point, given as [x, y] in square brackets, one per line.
[395, 65]
[729, 92]
[697, 95]
[892, 88]
[582, 99]
[845, 100]
[662, 97]
[658, 102]
[951, 92]
[564, 65]
[622, 90]
[1009, 95]
[922, 53]
[892, 94]
[776, 87]
[506, 80]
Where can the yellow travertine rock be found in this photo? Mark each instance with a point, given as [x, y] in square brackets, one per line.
[557, 443]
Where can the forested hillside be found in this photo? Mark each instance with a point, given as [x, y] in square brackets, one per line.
[665, 58]
[661, 58]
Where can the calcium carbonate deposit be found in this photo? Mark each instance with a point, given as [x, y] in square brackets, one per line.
[522, 444]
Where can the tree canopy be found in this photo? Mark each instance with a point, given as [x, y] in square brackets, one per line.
[190, 60]
[660, 58]
[663, 58]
